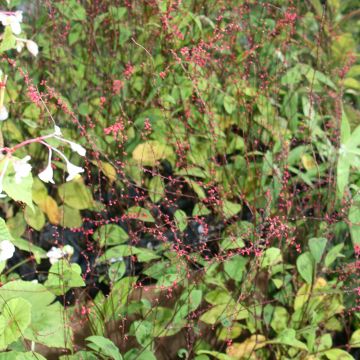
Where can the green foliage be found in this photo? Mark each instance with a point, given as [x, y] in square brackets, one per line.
[221, 178]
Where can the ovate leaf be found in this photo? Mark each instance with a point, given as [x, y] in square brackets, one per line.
[305, 266]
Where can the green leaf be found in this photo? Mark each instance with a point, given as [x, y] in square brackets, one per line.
[104, 347]
[16, 355]
[355, 339]
[354, 220]
[4, 231]
[235, 267]
[18, 192]
[156, 189]
[35, 218]
[117, 13]
[305, 266]
[317, 248]
[8, 41]
[280, 318]
[48, 327]
[342, 174]
[15, 318]
[338, 354]
[63, 276]
[333, 254]
[110, 234]
[76, 195]
[150, 152]
[72, 10]
[139, 213]
[271, 257]
[35, 293]
[230, 208]
[143, 332]
[70, 217]
[288, 337]
[181, 219]
[229, 104]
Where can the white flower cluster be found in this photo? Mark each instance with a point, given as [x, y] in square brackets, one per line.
[55, 254]
[22, 168]
[13, 19]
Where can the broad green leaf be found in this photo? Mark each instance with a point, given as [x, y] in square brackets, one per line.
[317, 248]
[280, 318]
[48, 327]
[181, 219]
[354, 221]
[230, 208]
[72, 10]
[305, 266]
[229, 104]
[35, 293]
[18, 192]
[4, 231]
[271, 257]
[338, 354]
[235, 266]
[8, 40]
[333, 254]
[355, 339]
[139, 213]
[104, 346]
[76, 195]
[34, 218]
[15, 318]
[150, 152]
[63, 276]
[70, 217]
[288, 337]
[156, 189]
[143, 332]
[30, 355]
[110, 234]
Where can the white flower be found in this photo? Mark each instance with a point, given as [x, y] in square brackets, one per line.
[22, 168]
[55, 254]
[47, 175]
[74, 147]
[68, 250]
[3, 113]
[7, 250]
[32, 47]
[57, 131]
[73, 170]
[77, 148]
[19, 45]
[12, 20]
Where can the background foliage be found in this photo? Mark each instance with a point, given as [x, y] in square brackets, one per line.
[219, 212]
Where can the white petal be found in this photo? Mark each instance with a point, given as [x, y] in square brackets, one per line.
[77, 148]
[7, 250]
[19, 16]
[32, 47]
[47, 175]
[22, 168]
[57, 131]
[3, 113]
[19, 45]
[15, 26]
[73, 170]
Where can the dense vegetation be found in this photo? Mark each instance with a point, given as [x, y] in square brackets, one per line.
[179, 179]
